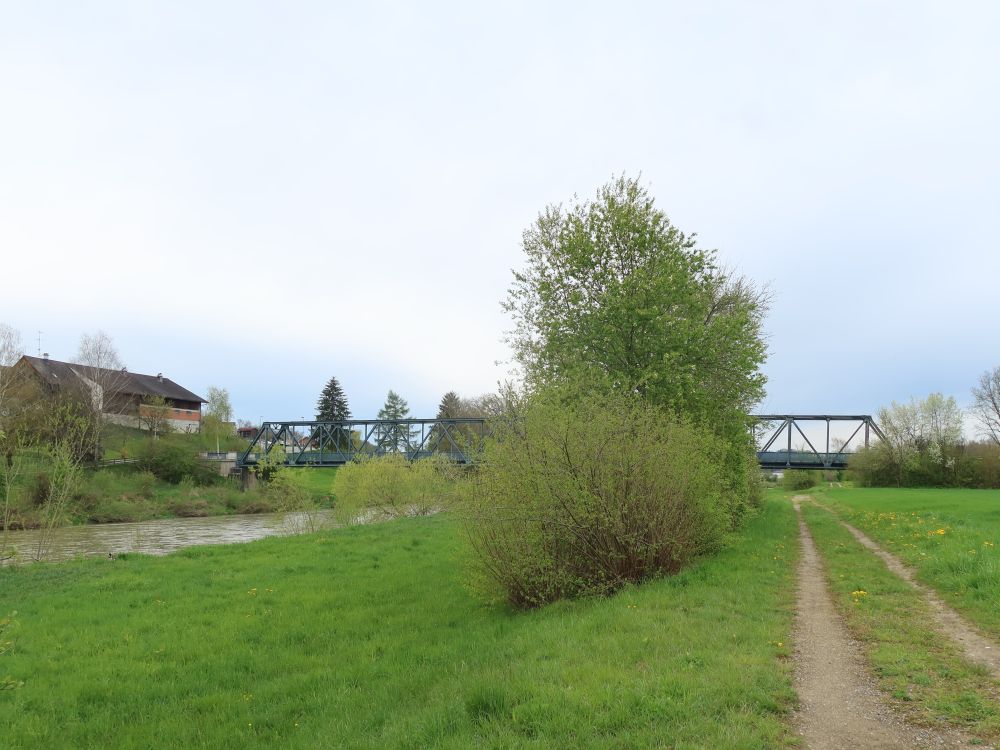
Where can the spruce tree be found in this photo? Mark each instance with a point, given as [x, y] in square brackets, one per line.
[450, 407]
[398, 437]
[332, 404]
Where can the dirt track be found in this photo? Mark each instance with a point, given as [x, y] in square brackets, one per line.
[840, 704]
[977, 647]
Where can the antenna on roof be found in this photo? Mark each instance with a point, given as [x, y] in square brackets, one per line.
[39, 343]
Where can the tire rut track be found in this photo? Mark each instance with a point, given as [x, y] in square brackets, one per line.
[840, 705]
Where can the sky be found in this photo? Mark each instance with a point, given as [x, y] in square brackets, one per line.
[260, 196]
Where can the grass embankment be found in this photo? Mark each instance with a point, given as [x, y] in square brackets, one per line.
[950, 537]
[368, 637]
[923, 672]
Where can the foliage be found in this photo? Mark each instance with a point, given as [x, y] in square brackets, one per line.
[450, 406]
[798, 479]
[922, 446]
[172, 460]
[611, 285]
[332, 404]
[587, 496]
[395, 437]
[390, 486]
[367, 637]
[219, 406]
[614, 294]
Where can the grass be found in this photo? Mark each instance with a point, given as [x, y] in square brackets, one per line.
[924, 673]
[367, 636]
[950, 537]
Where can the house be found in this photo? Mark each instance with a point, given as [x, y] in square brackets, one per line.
[121, 394]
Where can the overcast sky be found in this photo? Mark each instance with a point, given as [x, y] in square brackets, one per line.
[262, 195]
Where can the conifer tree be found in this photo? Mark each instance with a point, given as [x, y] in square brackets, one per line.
[332, 404]
[450, 407]
[397, 437]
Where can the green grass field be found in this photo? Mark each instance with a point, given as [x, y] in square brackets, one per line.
[369, 637]
[950, 537]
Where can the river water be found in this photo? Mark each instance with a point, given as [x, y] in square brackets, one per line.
[160, 536]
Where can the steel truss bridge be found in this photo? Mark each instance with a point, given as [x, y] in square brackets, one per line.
[773, 426]
[337, 443]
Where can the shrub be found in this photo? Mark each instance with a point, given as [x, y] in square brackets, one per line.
[584, 497]
[172, 460]
[390, 486]
[798, 479]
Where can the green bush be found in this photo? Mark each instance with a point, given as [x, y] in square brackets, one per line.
[171, 460]
[389, 486]
[584, 495]
[798, 479]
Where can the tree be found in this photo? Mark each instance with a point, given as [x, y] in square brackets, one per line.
[398, 437]
[614, 295]
[105, 378]
[219, 405]
[154, 415]
[332, 404]
[612, 287]
[450, 406]
[11, 350]
[921, 440]
[986, 404]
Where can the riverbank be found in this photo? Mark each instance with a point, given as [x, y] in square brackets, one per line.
[369, 636]
[121, 494]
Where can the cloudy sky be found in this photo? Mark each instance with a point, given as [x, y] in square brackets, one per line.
[262, 195]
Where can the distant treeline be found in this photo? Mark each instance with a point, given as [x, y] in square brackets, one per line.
[924, 444]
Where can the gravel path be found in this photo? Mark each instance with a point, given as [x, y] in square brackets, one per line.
[840, 705]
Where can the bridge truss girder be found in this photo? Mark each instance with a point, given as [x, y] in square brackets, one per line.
[811, 458]
[318, 443]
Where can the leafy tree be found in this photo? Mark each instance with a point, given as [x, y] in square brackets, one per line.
[397, 437]
[921, 446]
[614, 294]
[219, 405]
[218, 414]
[332, 405]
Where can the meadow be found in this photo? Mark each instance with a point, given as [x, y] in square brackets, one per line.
[950, 537]
[369, 636]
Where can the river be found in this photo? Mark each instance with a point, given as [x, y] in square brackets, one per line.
[160, 536]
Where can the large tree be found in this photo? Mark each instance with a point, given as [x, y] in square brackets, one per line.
[399, 436]
[986, 404]
[613, 288]
[614, 295]
[105, 377]
[332, 404]
[11, 350]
